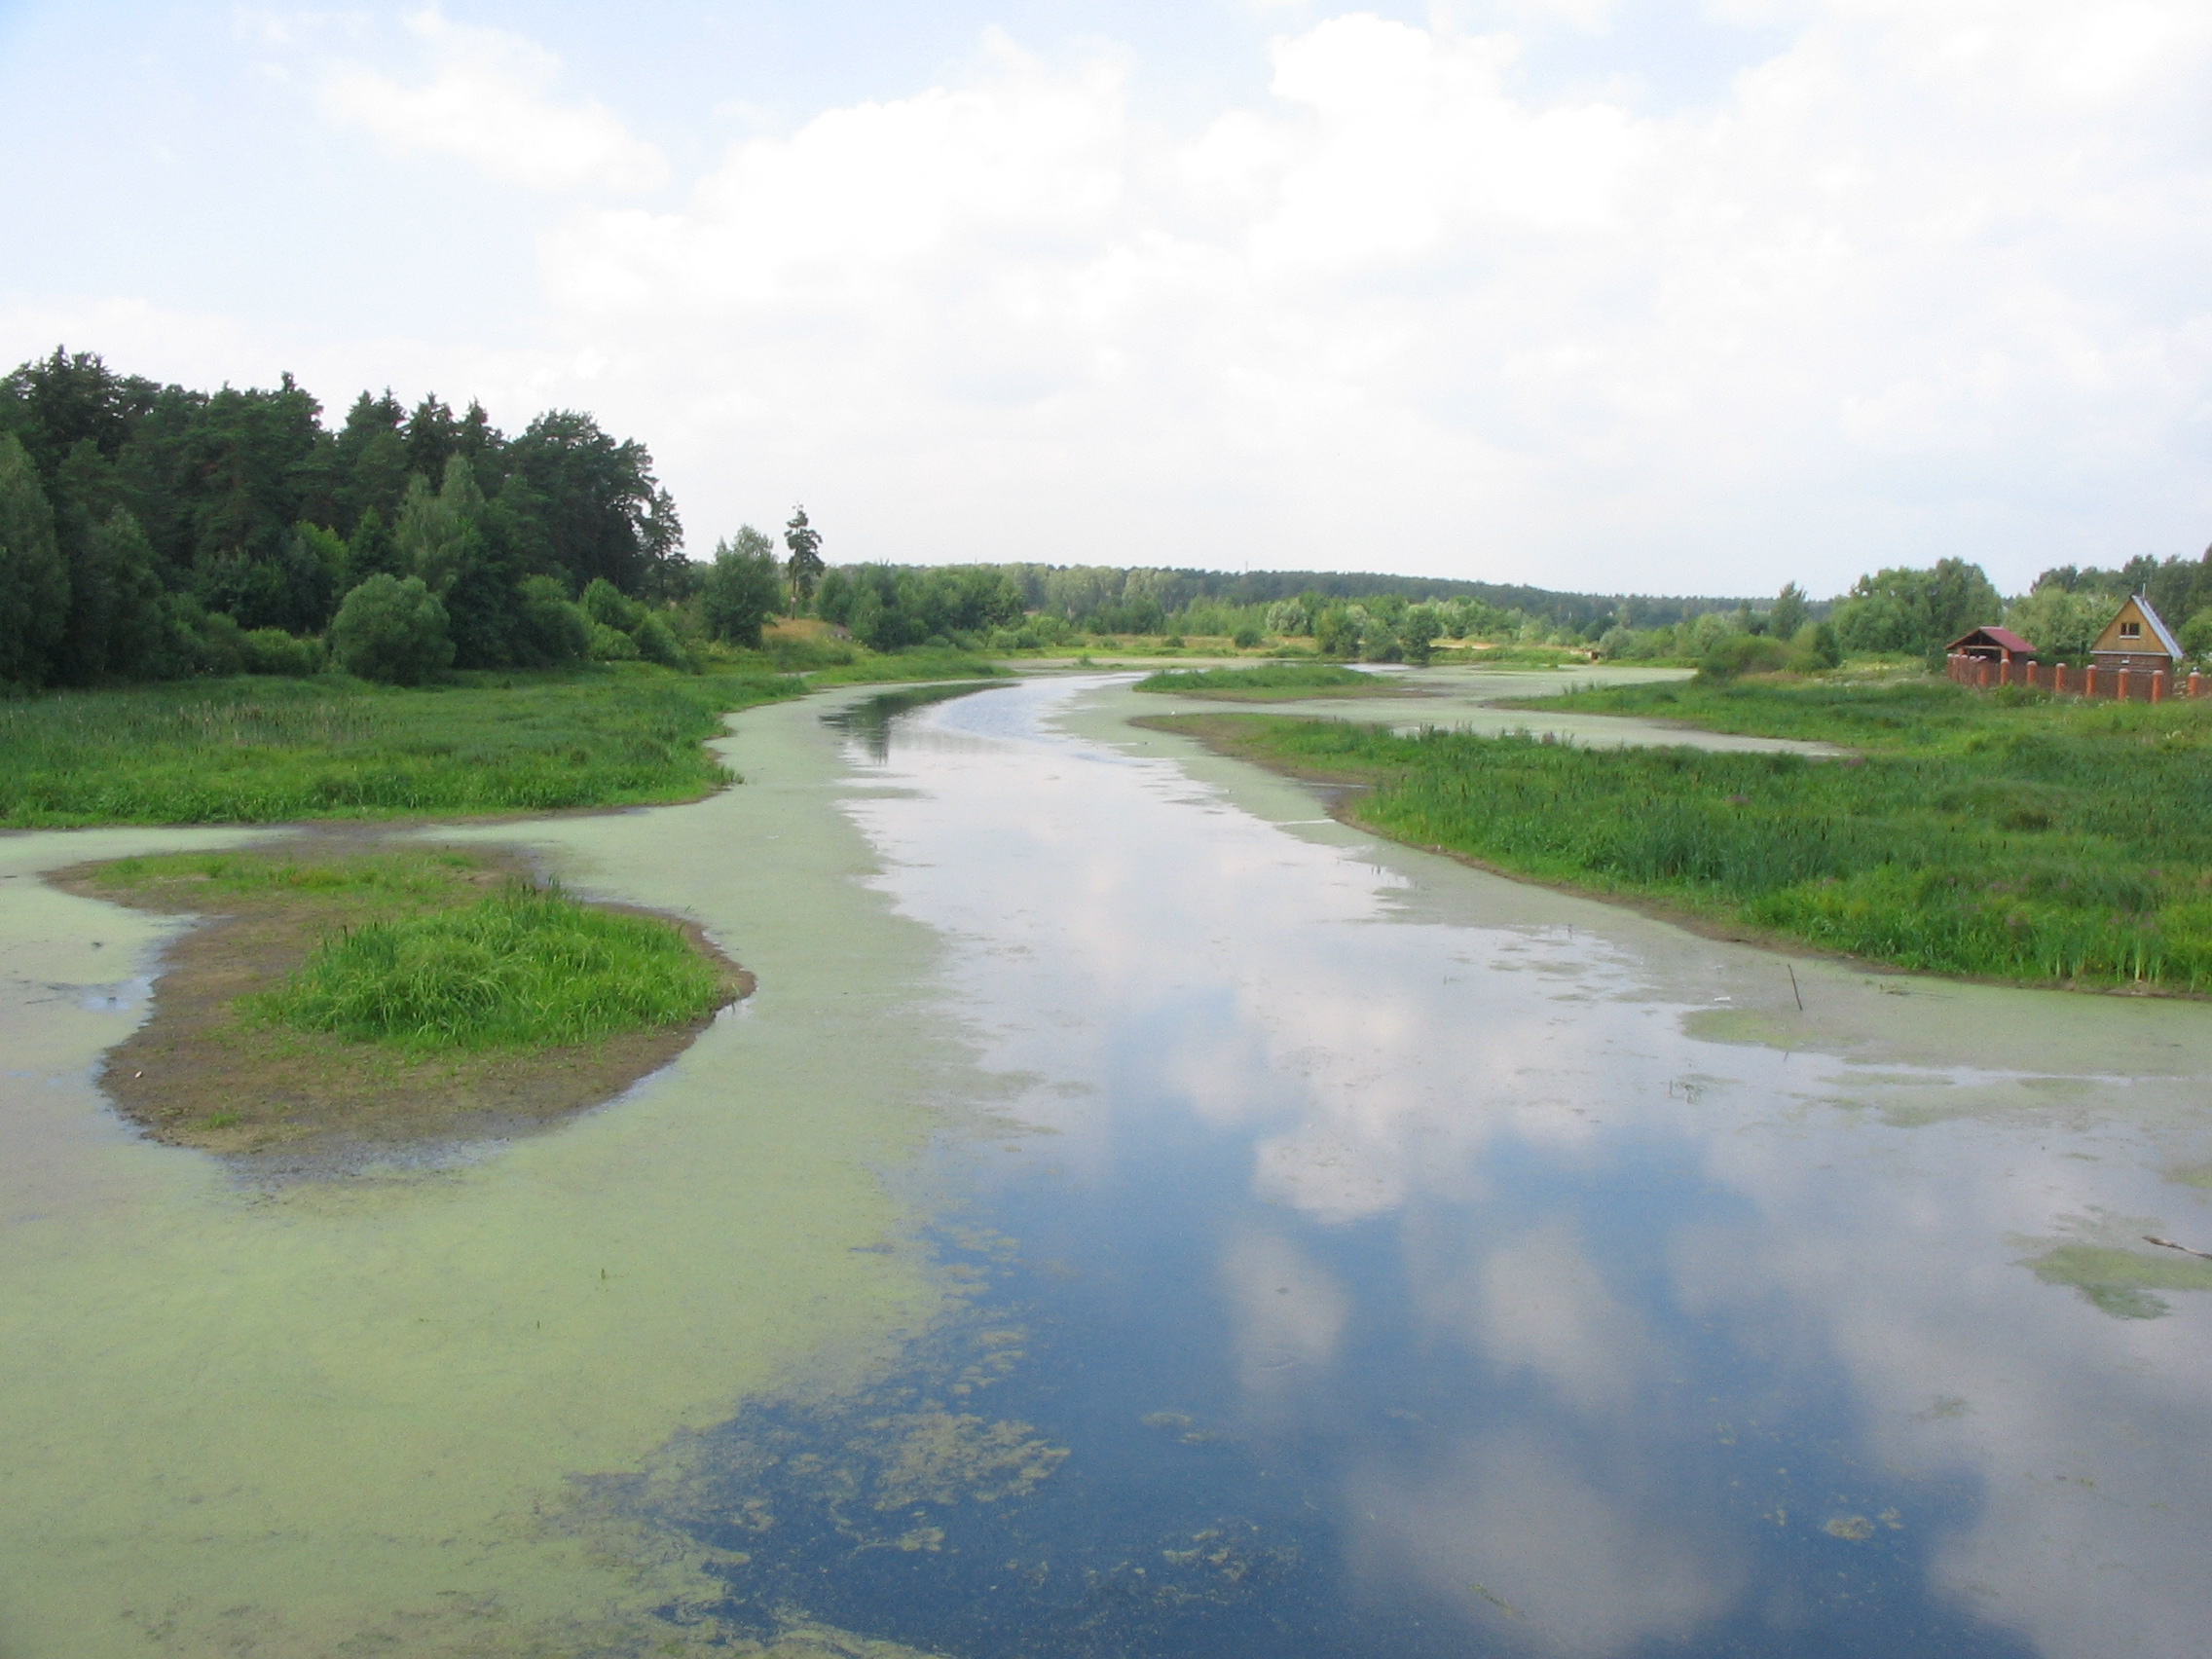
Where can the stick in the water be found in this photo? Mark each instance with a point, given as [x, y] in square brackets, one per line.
[1793, 990]
[2169, 1244]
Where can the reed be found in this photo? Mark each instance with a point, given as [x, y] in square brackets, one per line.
[2026, 843]
[257, 751]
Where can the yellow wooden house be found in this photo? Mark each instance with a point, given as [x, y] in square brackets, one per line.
[2136, 638]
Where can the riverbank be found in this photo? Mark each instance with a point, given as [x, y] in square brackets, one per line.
[267, 749]
[223, 1065]
[2033, 855]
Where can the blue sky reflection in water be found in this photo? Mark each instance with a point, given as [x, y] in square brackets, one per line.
[1394, 1275]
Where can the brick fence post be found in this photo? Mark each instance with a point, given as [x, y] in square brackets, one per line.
[2090, 680]
[2195, 684]
[2157, 685]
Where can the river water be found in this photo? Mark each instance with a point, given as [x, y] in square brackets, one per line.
[1137, 1215]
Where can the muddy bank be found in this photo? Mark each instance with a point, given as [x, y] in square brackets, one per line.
[204, 1072]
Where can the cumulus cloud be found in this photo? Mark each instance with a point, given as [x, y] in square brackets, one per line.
[1898, 294]
[490, 100]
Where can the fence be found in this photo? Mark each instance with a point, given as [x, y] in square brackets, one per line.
[2142, 685]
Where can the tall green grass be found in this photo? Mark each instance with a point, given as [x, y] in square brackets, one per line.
[524, 966]
[2018, 842]
[258, 751]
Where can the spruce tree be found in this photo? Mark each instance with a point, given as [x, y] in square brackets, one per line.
[34, 584]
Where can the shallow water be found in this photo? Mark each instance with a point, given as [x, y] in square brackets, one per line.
[1137, 1215]
[1470, 699]
[1407, 1261]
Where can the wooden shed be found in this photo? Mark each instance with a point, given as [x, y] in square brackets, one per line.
[2136, 638]
[1991, 644]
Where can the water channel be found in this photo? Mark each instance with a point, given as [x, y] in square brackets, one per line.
[1138, 1215]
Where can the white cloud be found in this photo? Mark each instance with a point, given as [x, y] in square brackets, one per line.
[1917, 281]
[490, 101]
[1895, 297]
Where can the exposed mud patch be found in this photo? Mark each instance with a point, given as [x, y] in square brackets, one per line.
[202, 1072]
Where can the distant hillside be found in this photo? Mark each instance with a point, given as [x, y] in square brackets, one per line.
[1081, 590]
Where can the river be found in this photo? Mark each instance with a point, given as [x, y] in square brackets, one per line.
[1137, 1215]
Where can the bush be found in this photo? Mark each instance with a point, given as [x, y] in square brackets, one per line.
[392, 630]
[214, 642]
[2196, 636]
[551, 631]
[1817, 647]
[657, 642]
[1246, 638]
[1744, 653]
[271, 650]
[605, 603]
[612, 645]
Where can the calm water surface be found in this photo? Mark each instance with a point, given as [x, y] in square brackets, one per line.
[1380, 1258]
[1137, 1215]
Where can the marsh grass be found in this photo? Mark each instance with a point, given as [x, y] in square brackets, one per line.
[2018, 840]
[1268, 681]
[524, 967]
[256, 750]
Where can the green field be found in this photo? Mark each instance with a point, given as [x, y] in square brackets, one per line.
[1989, 834]
[268, 750]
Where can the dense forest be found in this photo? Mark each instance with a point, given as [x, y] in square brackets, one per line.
[149, 532]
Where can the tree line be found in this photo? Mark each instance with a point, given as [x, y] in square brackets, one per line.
[151, 531]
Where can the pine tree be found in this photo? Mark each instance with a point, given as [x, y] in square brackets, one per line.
[804, 568]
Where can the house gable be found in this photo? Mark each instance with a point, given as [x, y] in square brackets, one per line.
[2136, 635]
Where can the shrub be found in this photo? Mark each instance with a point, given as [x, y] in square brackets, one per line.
[392, 630]
[612, 645]
[551, 631]
[214, 642]
[1744, 653]
[271, 650]
[2196, 636]
[1246, 638]
[605, 603]
[657, 642]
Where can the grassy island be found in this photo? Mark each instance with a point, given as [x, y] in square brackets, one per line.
[348, 994]
[1272, 683]
[1993, 835]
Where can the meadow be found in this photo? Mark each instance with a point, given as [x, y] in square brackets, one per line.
[1992, 835]
[259, 750]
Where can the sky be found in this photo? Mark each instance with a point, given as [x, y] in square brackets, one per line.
[1615, 295]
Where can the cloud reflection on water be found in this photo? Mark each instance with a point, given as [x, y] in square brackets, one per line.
[1599, 1209]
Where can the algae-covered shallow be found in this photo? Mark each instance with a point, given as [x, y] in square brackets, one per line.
[333, 1417]
[1137, 1214]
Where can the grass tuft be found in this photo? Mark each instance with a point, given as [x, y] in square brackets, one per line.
[524, 967]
